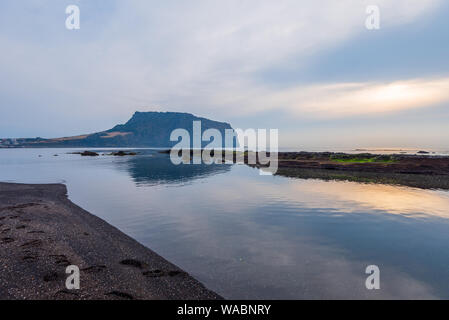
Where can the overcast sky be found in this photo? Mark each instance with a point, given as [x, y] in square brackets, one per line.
[309, 68]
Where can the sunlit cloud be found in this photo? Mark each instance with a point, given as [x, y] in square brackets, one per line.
[353, 99]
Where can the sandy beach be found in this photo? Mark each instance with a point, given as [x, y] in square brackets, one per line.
[42, 232]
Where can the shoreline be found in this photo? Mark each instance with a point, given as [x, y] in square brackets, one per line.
[418, 171]
[424, 171]
[42, 232]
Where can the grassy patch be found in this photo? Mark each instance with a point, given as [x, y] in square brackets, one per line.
[363, 160]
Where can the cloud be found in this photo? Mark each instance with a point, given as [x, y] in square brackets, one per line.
[201, 56]
[336, 100]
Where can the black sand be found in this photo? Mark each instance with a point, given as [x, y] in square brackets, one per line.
[42, 232]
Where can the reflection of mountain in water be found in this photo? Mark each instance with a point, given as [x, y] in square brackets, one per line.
[158, 169]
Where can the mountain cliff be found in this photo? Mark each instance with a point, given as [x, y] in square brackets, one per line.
[144, 129]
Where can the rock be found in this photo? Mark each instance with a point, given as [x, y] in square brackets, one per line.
[123, 153]
[87, 154]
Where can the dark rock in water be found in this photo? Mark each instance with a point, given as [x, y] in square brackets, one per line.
[87, 154]
[123, 153]
[423, 152]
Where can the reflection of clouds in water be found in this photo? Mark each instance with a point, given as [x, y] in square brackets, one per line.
[248, 236]
[233, 250]
[345, 196]
[300, 267]
[312, 193]
[264, 263]
[392, 199]
[318, 272]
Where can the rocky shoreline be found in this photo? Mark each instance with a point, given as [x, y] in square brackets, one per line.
[420, 171]
[42, 232]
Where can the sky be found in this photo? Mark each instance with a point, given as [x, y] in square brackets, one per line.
[310, 69]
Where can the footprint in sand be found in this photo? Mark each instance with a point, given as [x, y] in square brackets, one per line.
[52, 276]
[94, 269]
[151, 273]
[30, 258]
[60, 260]
[7, 240]
[133, 263]
[32, 243]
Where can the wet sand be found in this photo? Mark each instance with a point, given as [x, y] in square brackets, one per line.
[42, 232]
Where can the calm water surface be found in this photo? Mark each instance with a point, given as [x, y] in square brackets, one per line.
[250, 236]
